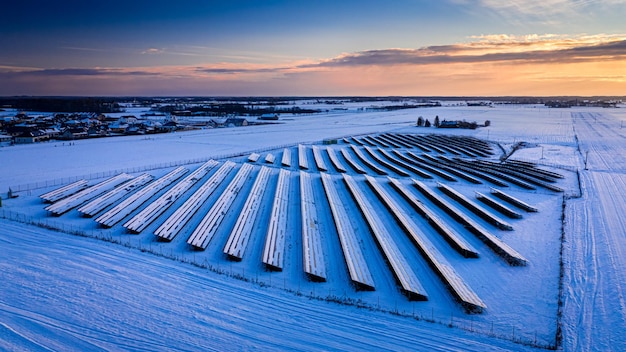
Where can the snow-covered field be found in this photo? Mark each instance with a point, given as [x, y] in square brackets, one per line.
[126, 292]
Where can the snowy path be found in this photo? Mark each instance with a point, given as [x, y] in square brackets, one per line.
[128, 300]
[595, 306]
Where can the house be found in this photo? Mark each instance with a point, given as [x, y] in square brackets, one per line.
[449, 124]
[5, 139]
[19, 129]
[33, 136]
[7, 120]
[169, 126]
[128, 119]
[235, 122]
[118, 127]
[151, 126]
[458, 124]
[96, 131]
[73, 133]
[21, 116]
[134, 130]
[52, 132]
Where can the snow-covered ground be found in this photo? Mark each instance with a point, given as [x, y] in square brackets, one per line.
[595, 305]
[73, 291]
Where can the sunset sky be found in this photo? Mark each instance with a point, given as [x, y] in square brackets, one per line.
[308, 48]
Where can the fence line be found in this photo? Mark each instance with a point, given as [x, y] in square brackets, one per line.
[135, 169]
[97, 175]
[50, 224]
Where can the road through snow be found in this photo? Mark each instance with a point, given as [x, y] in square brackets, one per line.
[595, 307]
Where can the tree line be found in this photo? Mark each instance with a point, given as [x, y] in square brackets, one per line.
[62, 104]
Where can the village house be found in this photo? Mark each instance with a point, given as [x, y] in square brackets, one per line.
[72, 133]
[96, 131]
[273, 116]
[5, 139]
[33, 136]
[169, 126]
[118, 126]
[235, 122]
[19, 129]
[52, 132]
[128, 119]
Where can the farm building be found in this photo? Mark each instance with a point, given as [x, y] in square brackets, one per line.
[236, 122]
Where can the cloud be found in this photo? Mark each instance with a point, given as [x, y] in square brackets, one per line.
[545, 12]
[164, 51]
[152, 51]
[530, 7]
[90, 72]
[550, 12]
[490, 49]
[250, 70]
[84, 49]
[73, 72]
[239, 70]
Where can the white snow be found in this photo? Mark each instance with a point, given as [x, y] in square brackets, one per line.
[124, 291]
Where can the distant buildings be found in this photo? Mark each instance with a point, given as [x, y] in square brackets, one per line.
[235, 122]
[24, 129]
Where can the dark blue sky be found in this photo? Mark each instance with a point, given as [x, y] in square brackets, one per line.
[60, 36]
[301, 29]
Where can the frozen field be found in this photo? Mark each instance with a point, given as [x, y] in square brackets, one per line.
[56, 277]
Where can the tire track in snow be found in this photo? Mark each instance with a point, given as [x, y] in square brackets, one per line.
[595, 308]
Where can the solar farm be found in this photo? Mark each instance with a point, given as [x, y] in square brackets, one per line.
[381, 220]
